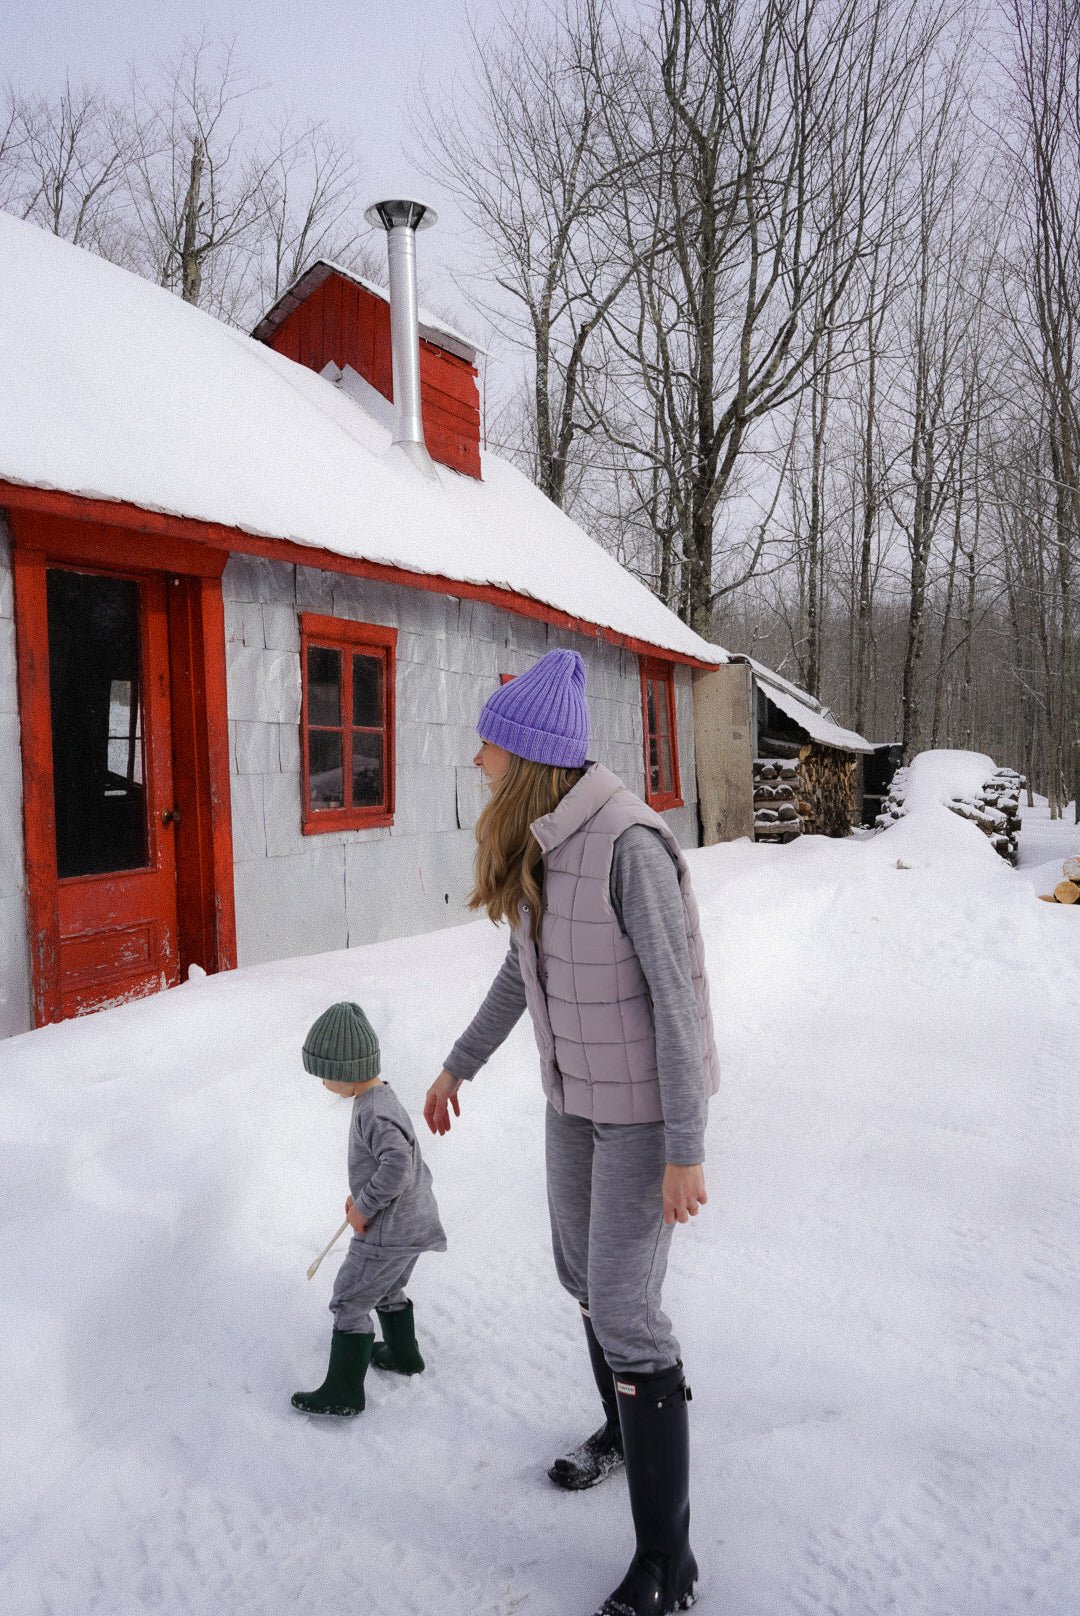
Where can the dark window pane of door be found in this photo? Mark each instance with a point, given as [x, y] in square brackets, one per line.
[650, 705]
[367, 769]
[326, 777]
[324, 685]
[661, 724]
[654, 765]
[367, 692]
[95, 690]
[667, 772]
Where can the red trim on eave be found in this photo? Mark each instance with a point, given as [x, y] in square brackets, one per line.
[217, 536]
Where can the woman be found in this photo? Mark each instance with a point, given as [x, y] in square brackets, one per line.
[606, 954]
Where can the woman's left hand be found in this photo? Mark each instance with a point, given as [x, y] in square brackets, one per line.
[684, 1192]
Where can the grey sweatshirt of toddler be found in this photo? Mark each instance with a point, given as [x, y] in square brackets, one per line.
[645, 895]
[389, 1179]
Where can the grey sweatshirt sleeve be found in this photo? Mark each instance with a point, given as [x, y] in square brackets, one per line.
[493, 1022]
[646, 898]
[393, 1150]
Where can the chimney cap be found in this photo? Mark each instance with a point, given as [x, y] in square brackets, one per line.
[401, 210]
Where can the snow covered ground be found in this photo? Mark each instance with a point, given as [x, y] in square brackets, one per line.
[878, 1307]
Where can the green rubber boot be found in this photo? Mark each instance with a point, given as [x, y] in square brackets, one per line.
[342, 1392]
[398, 1350]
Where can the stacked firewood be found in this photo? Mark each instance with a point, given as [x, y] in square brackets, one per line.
[830, 783]
[780, 806]
[893, 808]
[996, 811]
[995, 808]
[811, 792]
[1068, 888]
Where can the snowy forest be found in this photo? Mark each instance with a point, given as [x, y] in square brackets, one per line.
[785, 296]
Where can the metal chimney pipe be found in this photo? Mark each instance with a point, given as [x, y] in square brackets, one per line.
[401, 219]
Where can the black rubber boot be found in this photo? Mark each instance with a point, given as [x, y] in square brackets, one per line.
[662, 1577]
[342, 1392]
[602, 1452]
[398, 1350]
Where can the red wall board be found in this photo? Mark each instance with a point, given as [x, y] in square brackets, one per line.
[345, 323]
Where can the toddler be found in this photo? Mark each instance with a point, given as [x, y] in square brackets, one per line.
[391, 1209]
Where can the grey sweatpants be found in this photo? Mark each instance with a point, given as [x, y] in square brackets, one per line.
[369, 1278]
[605, 1195]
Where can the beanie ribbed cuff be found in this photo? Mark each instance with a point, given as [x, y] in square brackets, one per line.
[563, 751]
[356, 1070]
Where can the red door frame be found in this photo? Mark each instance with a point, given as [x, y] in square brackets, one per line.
[192, 576]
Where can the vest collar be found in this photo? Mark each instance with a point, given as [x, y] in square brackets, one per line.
[596, 787]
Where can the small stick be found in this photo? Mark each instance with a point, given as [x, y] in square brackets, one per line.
[326, 1249]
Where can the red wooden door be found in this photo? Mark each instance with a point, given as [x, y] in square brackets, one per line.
[112, 787]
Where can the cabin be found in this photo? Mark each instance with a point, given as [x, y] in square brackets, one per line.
[254, 590]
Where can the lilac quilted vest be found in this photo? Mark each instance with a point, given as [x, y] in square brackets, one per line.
[586, 992]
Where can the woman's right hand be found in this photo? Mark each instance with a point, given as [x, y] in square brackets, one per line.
[440, 1097]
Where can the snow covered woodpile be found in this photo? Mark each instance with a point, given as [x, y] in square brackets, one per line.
[1067, 890]
[994, 806]
[878, 769]
[807, 767]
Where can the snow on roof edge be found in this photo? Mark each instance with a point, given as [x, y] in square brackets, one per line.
[810, 714]
[344, 562]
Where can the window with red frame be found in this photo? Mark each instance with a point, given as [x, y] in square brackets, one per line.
[347, 740]
[661, 738]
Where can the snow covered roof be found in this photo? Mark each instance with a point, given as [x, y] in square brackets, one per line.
[115, 389]
[431, 326]
[806, 711]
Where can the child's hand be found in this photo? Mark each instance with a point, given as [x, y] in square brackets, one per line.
[356, 1218]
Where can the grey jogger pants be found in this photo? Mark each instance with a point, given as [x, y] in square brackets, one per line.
[605, 1195]
[368, 1278]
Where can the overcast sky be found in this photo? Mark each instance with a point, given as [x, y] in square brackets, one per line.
[354, 62]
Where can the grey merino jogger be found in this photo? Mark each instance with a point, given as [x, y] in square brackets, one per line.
[606, 954]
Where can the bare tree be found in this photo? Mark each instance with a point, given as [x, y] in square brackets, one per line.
[1046, 150]
[524, 150]
[308, 206]
[195, 182]
[770, 132]
[67, 156]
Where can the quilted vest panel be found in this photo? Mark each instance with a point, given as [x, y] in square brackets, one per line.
[585, 989]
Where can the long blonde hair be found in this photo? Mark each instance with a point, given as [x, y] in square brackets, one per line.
[509, 866]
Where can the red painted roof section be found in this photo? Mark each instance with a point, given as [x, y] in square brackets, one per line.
[331, 317]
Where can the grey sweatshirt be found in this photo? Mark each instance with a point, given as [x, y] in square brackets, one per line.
[645, 896]
[389, 1179]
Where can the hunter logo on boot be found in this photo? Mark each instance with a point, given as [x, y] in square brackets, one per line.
[626, 1388]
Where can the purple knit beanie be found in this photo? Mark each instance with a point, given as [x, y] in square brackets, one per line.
[541, 714]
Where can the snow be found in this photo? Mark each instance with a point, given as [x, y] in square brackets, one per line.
[877, 1307]
[816, 720]
[115, 389]
[1046, 843]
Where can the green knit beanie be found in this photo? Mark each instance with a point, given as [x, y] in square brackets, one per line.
[342, 1046]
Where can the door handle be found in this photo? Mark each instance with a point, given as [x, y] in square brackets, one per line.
[170, 816]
